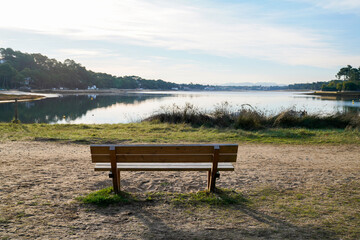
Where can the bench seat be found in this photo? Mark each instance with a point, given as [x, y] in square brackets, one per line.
[222, 166]
[211, 158]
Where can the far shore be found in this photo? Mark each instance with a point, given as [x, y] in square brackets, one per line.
[37, 94]
[83, 91]
[122, 91]
[347, 94]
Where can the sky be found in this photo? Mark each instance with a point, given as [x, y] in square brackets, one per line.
[207, 42]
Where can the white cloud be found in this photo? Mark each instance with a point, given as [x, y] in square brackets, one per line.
[80, 52]
[166, 24]
[86, 53]
[343, 4]
[352, 6]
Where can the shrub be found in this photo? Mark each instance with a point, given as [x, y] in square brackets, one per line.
[222, 116]
[17, 121]
[250, 119]
[288, 118]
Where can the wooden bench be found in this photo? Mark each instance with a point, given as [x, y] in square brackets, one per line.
[197, 157]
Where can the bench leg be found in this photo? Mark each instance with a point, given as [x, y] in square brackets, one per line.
[214, 169]
[208, 180]
[114, 170]
[212, 181]
[116, 181]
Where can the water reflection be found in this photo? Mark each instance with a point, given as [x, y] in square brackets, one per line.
[134, 107]
[344, 104]
[67, 108]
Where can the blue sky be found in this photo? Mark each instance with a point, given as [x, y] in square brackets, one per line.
[207, 42]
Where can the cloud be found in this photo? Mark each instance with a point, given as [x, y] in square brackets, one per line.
[342, 6]
[222, 30]
[80, 52]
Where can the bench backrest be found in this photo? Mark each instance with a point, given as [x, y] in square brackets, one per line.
[164, 153]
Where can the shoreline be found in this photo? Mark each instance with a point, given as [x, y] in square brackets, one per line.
[20, 97]
[82, 91]
[348, 94]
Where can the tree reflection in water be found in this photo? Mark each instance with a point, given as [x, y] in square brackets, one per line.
[52, 110]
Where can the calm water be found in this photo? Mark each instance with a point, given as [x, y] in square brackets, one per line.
[134, 107]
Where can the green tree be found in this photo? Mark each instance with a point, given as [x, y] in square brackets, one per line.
[350, 86]
[7, 73]
[344, 72]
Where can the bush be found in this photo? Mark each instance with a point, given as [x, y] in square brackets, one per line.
[250, 120]
[222, 116]
[16, 121]
[289, 118]
[350, 86]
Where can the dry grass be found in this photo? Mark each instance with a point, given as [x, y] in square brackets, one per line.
[248, 118]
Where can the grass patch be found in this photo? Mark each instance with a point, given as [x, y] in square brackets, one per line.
[149, 132]
[105, 197]
[222, 197]
[4, 220]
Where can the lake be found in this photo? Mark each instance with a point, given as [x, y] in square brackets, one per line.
[135, 106]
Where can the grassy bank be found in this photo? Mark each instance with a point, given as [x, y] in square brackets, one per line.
[150, 132]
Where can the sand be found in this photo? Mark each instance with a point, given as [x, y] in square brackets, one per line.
[40, 180]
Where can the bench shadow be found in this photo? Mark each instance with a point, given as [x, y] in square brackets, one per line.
[276, 229]
[157, 226]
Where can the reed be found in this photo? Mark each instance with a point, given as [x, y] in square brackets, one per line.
[249, 118]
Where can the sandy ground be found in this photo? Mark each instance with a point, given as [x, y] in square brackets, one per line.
[39, 181]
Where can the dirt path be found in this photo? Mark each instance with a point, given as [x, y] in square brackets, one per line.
[39, 181]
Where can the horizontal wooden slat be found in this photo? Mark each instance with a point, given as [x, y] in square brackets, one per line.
[164, 166]
[164, 149]
[169, 158]
[233, 148]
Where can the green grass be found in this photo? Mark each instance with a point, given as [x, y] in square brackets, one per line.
[105, 197]
[147, 132]
[221, 197]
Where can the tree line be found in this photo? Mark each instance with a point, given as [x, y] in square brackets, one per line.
[348, 79]
[35, 70]
[38, 71]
